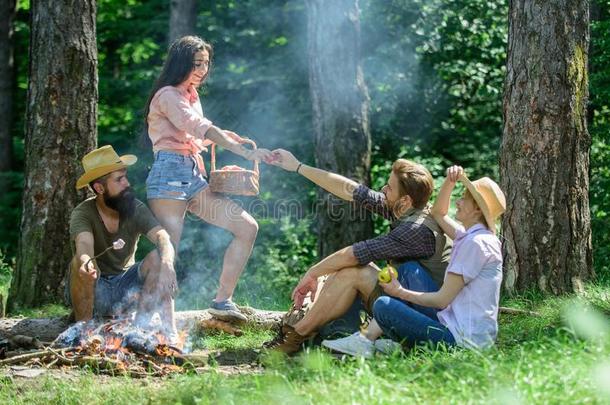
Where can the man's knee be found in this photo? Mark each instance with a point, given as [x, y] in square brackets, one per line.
[382, 307]
[354, 274]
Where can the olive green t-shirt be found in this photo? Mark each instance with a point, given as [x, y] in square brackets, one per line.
[86, 218]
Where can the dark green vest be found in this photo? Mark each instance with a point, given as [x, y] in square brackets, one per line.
[437, 263]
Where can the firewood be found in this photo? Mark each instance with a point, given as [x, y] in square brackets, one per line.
[23, 357]
[25, 342]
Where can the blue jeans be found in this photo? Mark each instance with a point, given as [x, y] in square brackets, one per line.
[403, 323]
[413, 276]
[401, 320]
[114, 295]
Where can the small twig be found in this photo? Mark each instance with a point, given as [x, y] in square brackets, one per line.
[517, 311]
[23, 357]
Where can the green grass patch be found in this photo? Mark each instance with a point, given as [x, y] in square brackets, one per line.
[251, 339]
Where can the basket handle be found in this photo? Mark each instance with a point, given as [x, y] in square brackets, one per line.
[213, 155]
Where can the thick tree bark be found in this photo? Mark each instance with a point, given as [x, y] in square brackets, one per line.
[60, 130]
[340, 113]
[545, 148]
[7, 12]
[182, 18]
[47, 329]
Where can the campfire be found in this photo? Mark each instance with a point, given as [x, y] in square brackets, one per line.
[116, 347]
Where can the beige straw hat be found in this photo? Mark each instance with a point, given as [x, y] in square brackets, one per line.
[102, 161]
[488, 196]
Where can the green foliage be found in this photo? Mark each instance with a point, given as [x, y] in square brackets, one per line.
[599, 128]
[6, 273]
[10, 210]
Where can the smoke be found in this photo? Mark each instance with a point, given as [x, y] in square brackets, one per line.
[259, 88]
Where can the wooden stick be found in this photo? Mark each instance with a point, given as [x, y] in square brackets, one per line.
[23, 357]
[517, 311]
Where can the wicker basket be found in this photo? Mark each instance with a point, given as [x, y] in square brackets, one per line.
[234, 181]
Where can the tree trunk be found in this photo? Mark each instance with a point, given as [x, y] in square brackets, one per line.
[340, 114]
[182, 18]
[47, 329]
[7, 12]
[60, 130]
[544, 160]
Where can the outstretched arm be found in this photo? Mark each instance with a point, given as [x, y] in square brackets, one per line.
[230, 141]
[334, 183]
[441, 205]
[454, 283]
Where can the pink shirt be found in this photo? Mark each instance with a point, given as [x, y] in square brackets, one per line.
[472, 316]
[176, 121]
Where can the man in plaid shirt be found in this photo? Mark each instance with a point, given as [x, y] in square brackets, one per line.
[414, 240]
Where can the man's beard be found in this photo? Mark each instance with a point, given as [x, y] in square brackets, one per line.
[124, 203]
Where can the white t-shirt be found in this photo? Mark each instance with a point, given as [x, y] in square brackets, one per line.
[472, 317]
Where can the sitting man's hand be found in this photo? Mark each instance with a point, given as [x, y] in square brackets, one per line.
[87, 272]
[285, 160]
[167, 279]
[308, 284]
[393, 288]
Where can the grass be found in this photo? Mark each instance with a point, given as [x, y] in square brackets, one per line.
[561, 356]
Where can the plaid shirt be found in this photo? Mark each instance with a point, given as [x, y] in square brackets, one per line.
[406, 241]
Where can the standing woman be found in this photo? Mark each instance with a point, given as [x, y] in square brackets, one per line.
[176, 183]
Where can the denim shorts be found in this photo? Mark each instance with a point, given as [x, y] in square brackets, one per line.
[174, 177]
[114, 295]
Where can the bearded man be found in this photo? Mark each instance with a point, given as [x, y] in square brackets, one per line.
[415, 244]
[104, 280]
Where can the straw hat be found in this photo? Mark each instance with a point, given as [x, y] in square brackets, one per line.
[100, 162]
[488, 197]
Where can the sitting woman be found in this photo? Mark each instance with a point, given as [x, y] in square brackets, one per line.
[470, 293]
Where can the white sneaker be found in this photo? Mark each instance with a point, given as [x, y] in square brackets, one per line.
[387, 346]
[355, 345]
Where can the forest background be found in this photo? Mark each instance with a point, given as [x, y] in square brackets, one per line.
[435, 75]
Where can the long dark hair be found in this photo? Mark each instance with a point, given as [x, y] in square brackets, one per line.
[176, 69]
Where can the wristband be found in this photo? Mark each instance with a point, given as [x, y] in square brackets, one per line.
[298, 167]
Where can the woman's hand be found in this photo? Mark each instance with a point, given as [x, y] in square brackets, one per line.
[233, 136]
[454, 172]
[393, 288]
[259, 154]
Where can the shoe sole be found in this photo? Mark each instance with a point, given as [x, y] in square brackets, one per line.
[227, 315]
[345, 351]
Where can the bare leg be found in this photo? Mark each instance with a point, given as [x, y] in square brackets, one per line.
[373, 331]
[337, 295]
[151, 299]
[170, 214]
[82, 293]
[226, 214]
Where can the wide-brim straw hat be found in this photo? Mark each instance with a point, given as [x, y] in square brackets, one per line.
[102, 161]
[488, 196]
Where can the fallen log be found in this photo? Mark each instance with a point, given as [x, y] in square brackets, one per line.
[47, 329]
